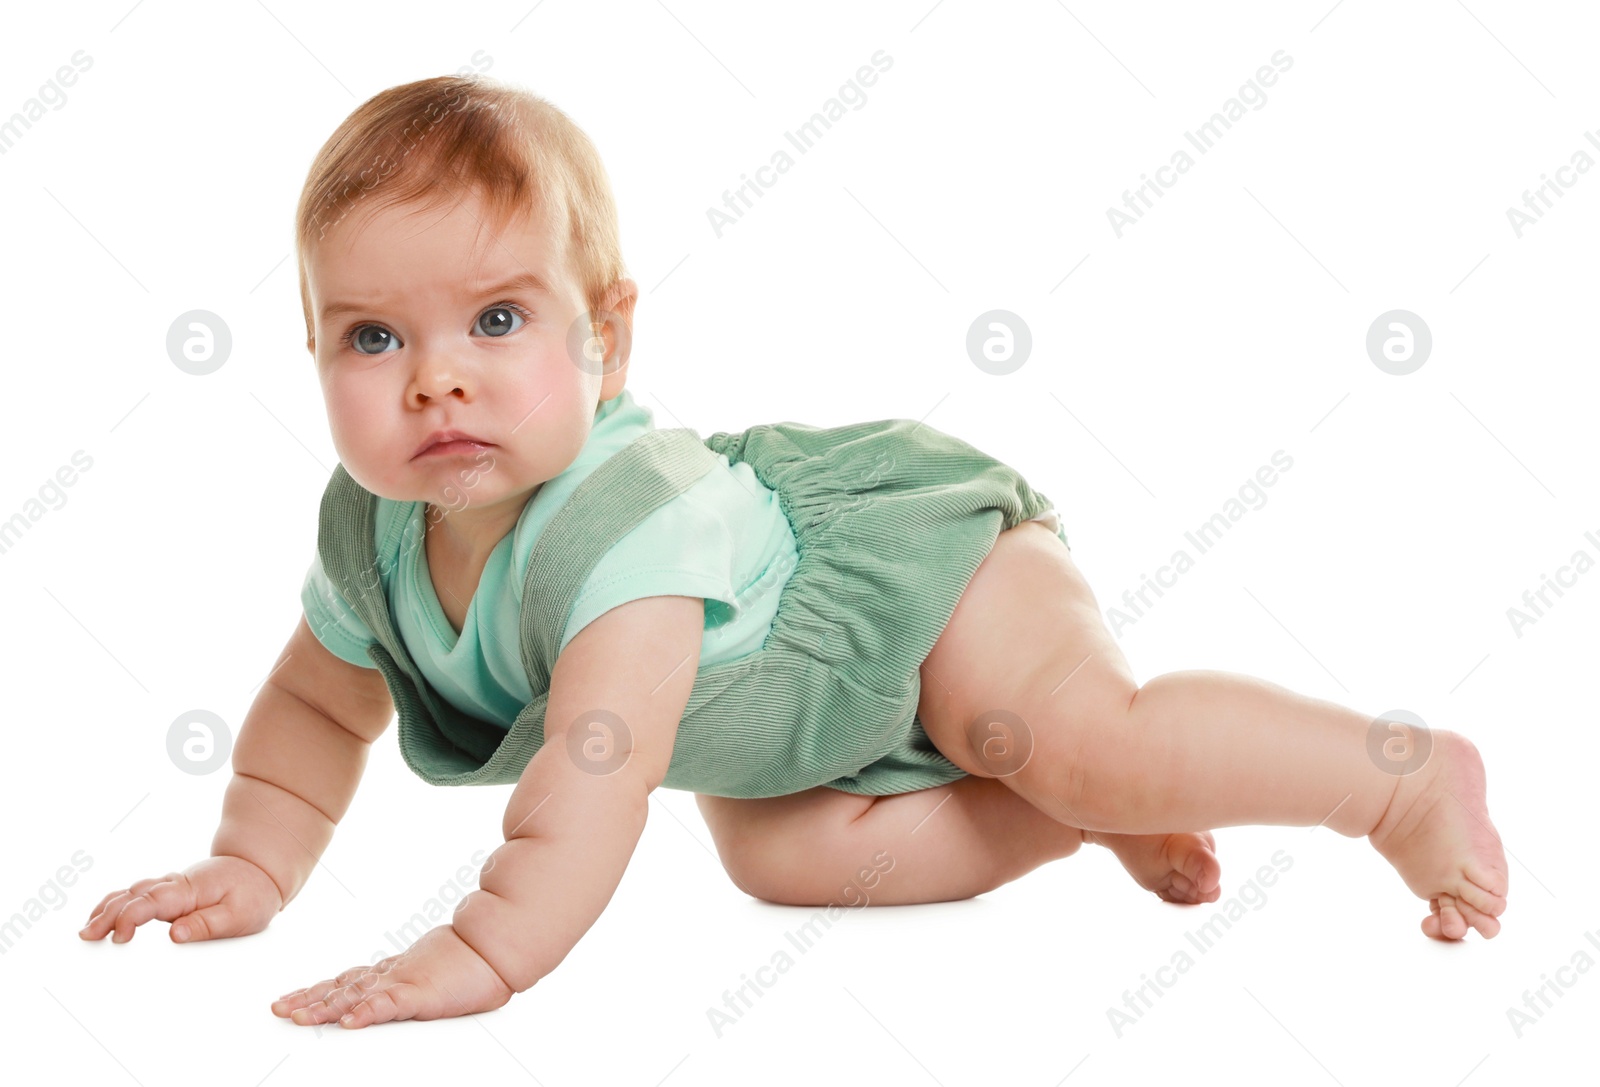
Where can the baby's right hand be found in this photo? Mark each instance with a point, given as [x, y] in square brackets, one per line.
[216, 898]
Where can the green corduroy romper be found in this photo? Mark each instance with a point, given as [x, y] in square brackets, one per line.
[891, 520]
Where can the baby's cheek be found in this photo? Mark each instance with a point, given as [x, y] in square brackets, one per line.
[351, 415]
[366, 453]
[346, 442]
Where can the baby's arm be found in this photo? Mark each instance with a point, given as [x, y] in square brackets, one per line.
[616, 696]
[296, 765]
[617, 693]
[300, 755]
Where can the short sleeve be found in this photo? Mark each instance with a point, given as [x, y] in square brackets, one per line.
[683, 548]
[333, 622]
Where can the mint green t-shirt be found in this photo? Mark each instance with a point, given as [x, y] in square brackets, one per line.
[725, 539]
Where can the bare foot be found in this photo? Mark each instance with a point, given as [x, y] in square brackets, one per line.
[1437, 834]
[1180, 868]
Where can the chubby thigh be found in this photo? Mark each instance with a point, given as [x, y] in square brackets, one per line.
[1025, 665]
[825, 847]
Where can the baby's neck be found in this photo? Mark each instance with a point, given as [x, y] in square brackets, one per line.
[469, 534]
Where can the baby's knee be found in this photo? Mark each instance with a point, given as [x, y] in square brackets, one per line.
[1111, 774]
[784, 849]
[770, 877]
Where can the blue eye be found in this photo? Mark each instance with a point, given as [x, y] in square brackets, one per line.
[349, 338]
[499, 327]
[496, 328]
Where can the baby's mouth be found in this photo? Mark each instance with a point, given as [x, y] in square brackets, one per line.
[450, 443]
[456, 448]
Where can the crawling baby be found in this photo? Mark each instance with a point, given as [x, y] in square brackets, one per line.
[835, 637]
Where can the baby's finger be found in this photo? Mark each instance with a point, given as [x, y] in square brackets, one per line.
[400, 1000]
[290, 1002]
[106, 912]
[99, 907]
[136, 889]
[372, 997]
[164, 901]
[100, 922]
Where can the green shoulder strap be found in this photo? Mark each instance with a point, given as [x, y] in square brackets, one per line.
[441, 744]
[347, 548]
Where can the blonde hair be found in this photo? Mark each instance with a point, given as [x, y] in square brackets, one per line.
[436, 140]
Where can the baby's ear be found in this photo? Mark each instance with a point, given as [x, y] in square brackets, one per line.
[614, 381]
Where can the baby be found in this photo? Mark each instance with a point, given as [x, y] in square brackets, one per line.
[835, 637]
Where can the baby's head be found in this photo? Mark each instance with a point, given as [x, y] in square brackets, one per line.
[460, 268]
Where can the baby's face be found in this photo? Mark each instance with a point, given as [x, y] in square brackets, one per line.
[417, 331]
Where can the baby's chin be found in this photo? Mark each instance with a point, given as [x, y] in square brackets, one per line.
[455, 486]
[385, 484]
[487, 478]
[405, 484]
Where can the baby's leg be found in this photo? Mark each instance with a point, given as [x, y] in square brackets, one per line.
[826, 846]
[1027, 685]
[1179, 867]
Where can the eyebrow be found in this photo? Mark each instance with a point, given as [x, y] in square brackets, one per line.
[527, 281]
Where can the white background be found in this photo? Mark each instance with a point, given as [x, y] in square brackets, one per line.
[1227, 324]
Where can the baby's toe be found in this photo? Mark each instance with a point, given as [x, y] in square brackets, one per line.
[1204, 870]
[1487, 925]
[1482, 893]
[1180, 889]
[1445, 922]
[1452, 917]
[1198, 864]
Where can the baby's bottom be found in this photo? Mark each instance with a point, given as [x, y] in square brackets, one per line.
[825, 846]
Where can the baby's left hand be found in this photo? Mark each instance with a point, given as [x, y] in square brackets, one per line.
[437, 977]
